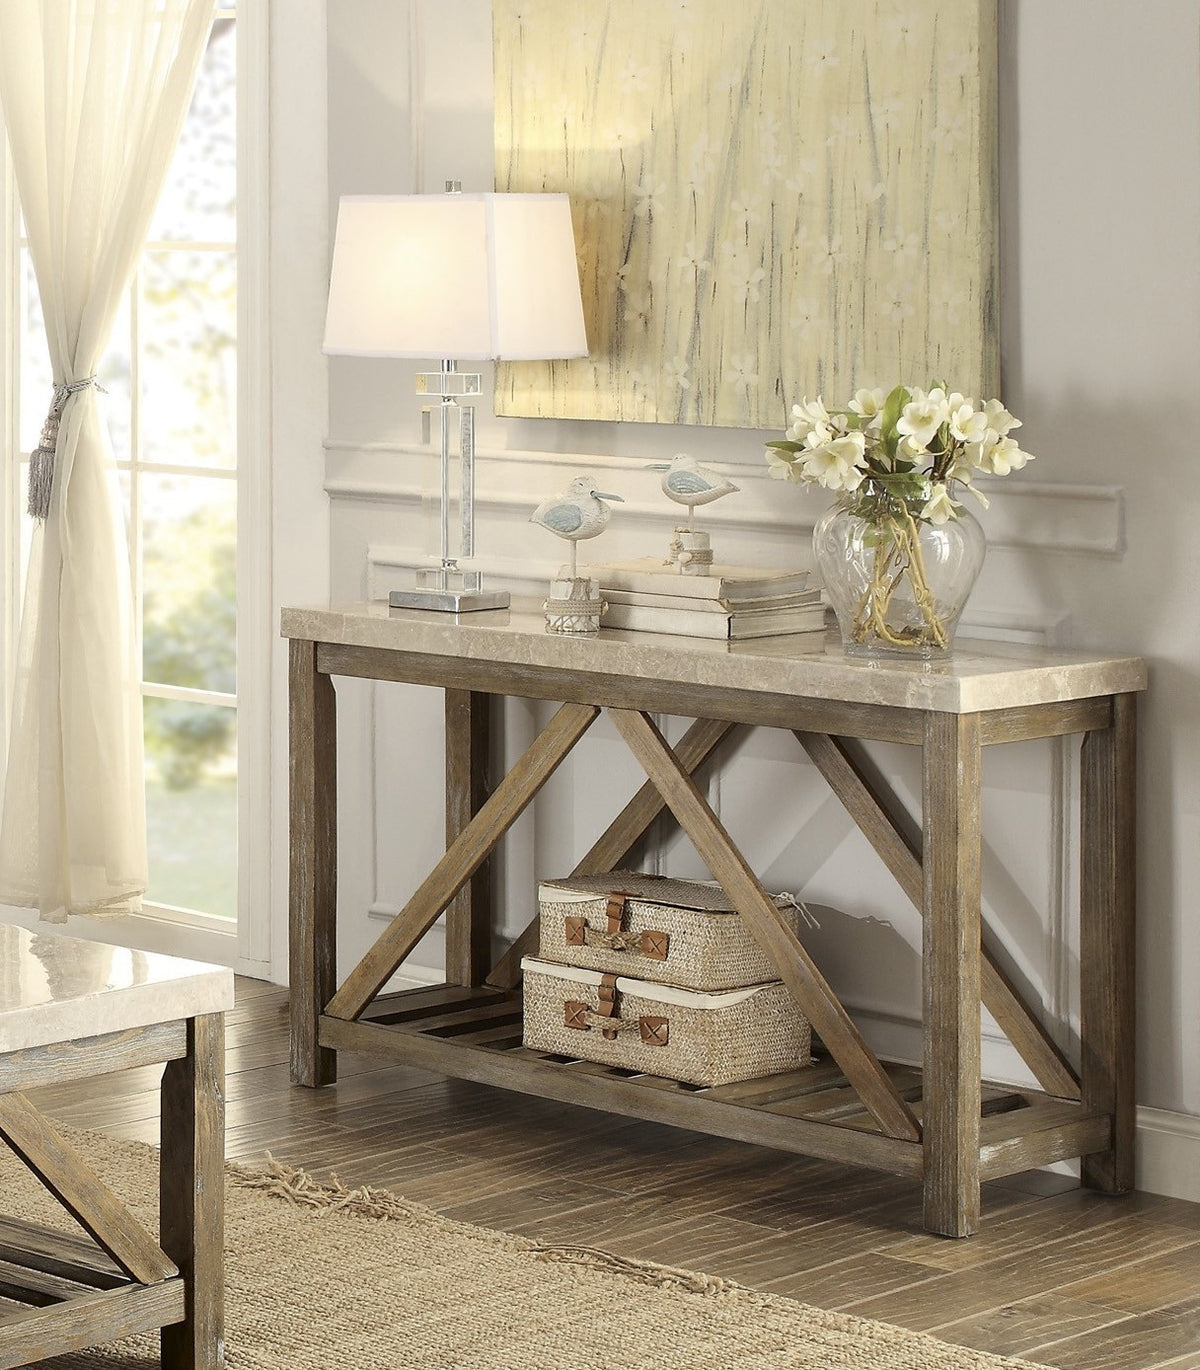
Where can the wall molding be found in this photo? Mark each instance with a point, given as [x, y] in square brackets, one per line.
[1064, 517]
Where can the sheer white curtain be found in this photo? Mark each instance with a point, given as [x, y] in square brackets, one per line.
[93, 93]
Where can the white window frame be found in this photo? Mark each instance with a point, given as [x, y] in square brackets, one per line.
[248, 947]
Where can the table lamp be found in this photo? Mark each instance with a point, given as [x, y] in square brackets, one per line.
[454, 277]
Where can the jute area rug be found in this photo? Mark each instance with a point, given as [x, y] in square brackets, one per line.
[319, 1278]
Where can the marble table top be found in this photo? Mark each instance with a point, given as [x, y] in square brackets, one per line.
[63, 989]
[978, 676]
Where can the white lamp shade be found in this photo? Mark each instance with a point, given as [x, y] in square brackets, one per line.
[457, 276]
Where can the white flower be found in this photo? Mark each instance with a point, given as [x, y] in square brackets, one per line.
[839, 464]
[634, 78]
[821, 54]
[649, 198]
[923, 415]
[782, 465]
[691, 260]
[623, 131]
[868, 405]
[808, 414]
[747, 208]
[999, 420]
[740, 371]
[1001, 456]
[829, 255]
[675, 372]
[903, 247]
[745, 283]
[939, 507]
[967, 424]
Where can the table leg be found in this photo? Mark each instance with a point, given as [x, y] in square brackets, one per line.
[951, 863]
[312, 916]
[469, 914]
[192, 1194]
[1106, 940]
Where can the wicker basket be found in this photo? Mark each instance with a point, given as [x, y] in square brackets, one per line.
[674, 932]
[653, 1029]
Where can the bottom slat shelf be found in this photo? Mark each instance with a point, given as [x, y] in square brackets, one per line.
[475, 1035]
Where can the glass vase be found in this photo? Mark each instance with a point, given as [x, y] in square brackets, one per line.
[897, 583]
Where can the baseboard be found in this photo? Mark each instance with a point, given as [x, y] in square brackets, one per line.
[1168, 1153]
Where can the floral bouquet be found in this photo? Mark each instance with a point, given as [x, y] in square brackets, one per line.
[899, 552]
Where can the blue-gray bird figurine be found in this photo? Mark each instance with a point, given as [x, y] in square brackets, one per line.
[579, 512]
[688, 483]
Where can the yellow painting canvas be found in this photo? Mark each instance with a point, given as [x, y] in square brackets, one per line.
[771, 198]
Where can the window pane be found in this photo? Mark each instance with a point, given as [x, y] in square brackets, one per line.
[189, 358]
[191, 805]
[199, 201]
[189, 603]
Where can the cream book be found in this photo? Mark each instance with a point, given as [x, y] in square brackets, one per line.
[730, 583]
[806, 620]
[649, 600]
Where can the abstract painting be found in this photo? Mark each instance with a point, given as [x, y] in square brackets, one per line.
[771, 198]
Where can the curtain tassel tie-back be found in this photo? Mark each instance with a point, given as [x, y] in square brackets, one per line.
[41, 460]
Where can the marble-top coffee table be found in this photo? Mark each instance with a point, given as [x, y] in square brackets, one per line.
[69, 1010]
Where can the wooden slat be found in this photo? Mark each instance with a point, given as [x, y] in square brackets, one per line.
[91, 1321]
[469, 913]
[766, 924]
[60, 1062]
[530, 1072]
[1056, 1141]
[1045, 720]
[614, 846]
[902, 856]
[192, 1193]
[465, 856]
[25, 1285]
[68, 1254]
[681, 699]
[842, 1104]
[502, 1036]
[399, 1008]
[83, 1194]
[464, 1020]
[1107, 942]
[952, 779]
[786, 1085]
[312, 938]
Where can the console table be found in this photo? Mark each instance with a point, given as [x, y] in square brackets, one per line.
[70, 1010]
[942, 1124]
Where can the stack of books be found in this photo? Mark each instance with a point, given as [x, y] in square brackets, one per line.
[732, 603]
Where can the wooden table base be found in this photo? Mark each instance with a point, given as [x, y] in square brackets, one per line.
[82, 1293]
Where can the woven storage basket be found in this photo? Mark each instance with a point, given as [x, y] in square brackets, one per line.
[703, 1039]
[674, 932]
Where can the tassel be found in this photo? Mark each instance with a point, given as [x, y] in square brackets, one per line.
[41, 459]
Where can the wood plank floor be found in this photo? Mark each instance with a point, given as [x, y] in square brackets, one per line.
[1059, 1276]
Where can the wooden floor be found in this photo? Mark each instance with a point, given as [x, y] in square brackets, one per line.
[1059, 1276]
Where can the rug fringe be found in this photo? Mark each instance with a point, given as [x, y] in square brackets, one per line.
[297, 1186]
[646, 1272]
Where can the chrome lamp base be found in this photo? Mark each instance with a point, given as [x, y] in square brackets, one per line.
[448, 590]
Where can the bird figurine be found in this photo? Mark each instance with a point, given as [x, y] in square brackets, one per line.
[579, 512]
[688, 483]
